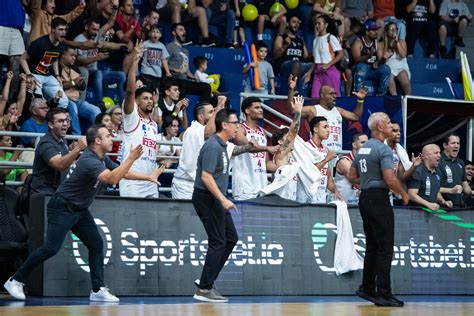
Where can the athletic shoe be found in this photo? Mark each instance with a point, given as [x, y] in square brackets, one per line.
[208, 42]
[209, 296]
[15, 289]
[198, 281]
[443, 51]
[103, 295]
[459, 42]
[388, 300]
[370, 296]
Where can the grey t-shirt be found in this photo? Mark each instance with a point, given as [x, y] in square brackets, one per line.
[179, 59]
[371, 159]
[428, 183]
[453, 9]
[265, 73]
[87, 53]
[213, 158]
[81, 184]
[46, 179]
[452, 174]
[357, 8]
[152, 58]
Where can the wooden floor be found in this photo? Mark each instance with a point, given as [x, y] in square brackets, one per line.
[242, 309]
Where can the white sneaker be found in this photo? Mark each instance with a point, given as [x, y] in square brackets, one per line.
[15, 289]
[103, 295]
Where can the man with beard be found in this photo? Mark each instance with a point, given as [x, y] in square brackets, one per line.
[171, 105]
[424, 185]
[178, 63]
[364, 57]
[327, 108]
[453, 182]
[139, 128]
[290, 51]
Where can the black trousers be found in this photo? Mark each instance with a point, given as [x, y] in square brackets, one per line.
[429, 30]
[377, 216]
[61, 219]
[221, 235]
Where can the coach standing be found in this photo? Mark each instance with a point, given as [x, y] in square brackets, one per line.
[373, 170]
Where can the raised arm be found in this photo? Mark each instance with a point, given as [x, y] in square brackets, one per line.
[129, 102]
[297, 106]
[6, 92]
[359, 109]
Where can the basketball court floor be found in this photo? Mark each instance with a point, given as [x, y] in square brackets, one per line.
[238, 305]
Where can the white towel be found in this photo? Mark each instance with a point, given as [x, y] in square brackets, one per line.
[403, 155]
[284, 184]
[346, 257]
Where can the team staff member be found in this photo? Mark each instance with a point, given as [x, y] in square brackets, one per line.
[68, 210]
[211, 204]
[373, 170]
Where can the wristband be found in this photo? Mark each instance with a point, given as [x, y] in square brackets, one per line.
[360, 101]
[174, 114]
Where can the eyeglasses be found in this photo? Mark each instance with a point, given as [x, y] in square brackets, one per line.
[62, 121]
[117, 113]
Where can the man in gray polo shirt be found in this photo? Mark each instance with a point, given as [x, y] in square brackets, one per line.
[373, 170]
[424, 185]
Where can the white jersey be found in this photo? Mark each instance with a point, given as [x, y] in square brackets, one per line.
[347, 190]
[249, 173]
[334, 142]
[138, 130]
[323, 183]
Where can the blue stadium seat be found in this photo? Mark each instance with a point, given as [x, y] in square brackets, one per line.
[437, 90]
[221, 60]
[433, 70]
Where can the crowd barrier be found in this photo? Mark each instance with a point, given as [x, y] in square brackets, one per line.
[157, 247]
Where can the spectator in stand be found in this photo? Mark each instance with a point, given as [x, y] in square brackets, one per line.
[364, 55]
[454, 186]
[200, 63]
[150, 21]
[327, 52]
[170, 130]
[469, 167]
[12, 20]
[41, 61]
[455, 17]
[116, 116]
[392, 51]
[219, 14]
[278, 20]
[11, 174]
[73, 83]
[290, 52]
[356, 10]
[106, 120]
[128, 23]
[178, 63]
[421, 23]
[42, 15]
[36, 123]
[265, 71]
[333, 10]
[11, 110]
[87, 59]
[239, 29]
[154, 60]
[384, 12]
[171, 105]
[424, 185]
[182, 11]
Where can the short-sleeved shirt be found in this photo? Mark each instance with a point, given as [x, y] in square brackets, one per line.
[428, 183]
[81, 185]
[46, 179]
[453, 173]
[322, 47]
[153, 57]
[265, 73]
[11, 176]
[453, 9]
[87, 53]
[371, 160]
[42, 54]
[420, 12]
[31, 126]
[357, 8]
[213, 158]
[178, 59]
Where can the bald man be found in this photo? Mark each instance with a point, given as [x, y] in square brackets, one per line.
[327, 108]
[424, 185]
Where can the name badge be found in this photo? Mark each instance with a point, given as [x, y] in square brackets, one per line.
[364, 151]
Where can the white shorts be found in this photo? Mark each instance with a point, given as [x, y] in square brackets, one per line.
[11, 41]
[138, 188]
[182, 189]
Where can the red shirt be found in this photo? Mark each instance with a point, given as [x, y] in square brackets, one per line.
[384, 8]
[127, 25]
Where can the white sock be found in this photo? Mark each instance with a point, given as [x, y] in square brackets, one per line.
[259, 37]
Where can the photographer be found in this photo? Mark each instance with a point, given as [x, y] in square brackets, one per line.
[454, 20]
[73, 83]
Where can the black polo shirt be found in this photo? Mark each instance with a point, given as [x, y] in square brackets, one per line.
[46, 179]
[428, 183]
[453, 173]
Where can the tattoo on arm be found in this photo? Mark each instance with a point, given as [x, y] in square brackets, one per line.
[239, 150]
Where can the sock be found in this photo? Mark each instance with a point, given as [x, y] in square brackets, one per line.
[259, 37]
[95, 289]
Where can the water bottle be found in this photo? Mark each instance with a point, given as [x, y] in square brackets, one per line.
[428, 186]
[449, 174]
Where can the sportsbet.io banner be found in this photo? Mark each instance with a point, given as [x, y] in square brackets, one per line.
[158, 248]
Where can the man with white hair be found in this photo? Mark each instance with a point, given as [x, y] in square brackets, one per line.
[36, 123]
[372, 169]
[424, 186]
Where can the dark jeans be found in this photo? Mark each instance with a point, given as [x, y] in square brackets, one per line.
[426, 29]
[61, 219]
[203, 90]
[377, 216]
[221, 235]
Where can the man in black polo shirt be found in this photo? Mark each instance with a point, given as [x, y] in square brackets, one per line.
[424, 185]
[52, 155]
[453, 182]
[68, 210]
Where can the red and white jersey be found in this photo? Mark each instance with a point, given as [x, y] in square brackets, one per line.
[139, 130]
[249, 173]
[323, 184]
[334, 142]
[347, 190]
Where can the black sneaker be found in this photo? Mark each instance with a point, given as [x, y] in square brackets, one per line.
[388, 300]
[208, 42]
[370, 296]
[209, 296]
[458, 42]
[443, 51]
[187, 43]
